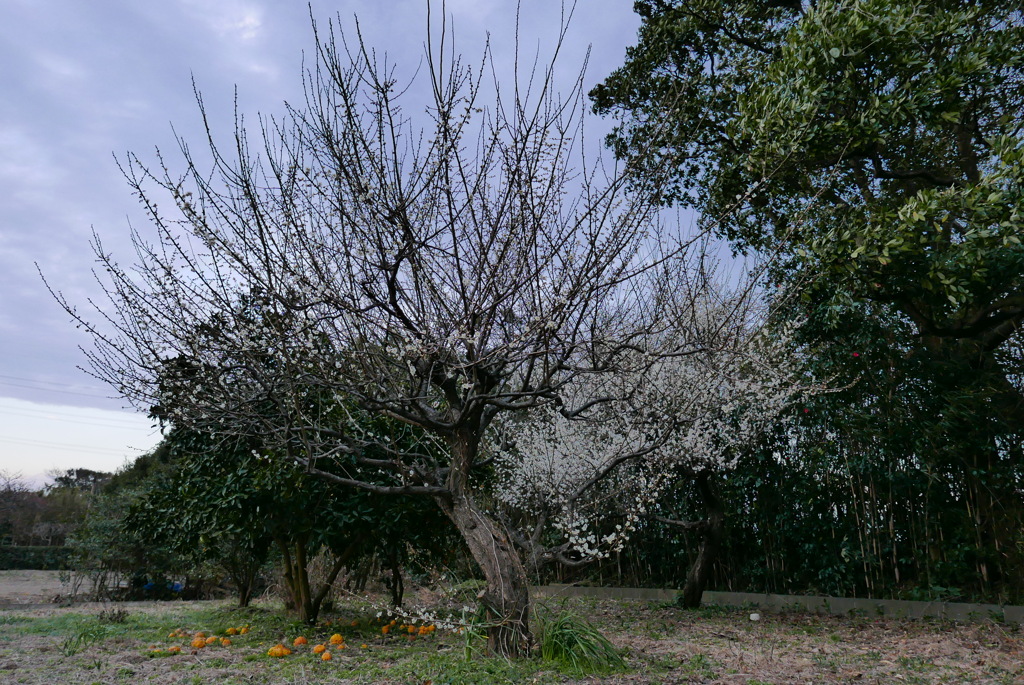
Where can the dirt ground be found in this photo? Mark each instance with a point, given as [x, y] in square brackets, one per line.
[29, 587]
[662, 644]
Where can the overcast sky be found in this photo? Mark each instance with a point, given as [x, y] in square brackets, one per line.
[85, 81]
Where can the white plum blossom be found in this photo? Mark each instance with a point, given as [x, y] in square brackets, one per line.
[663, 416]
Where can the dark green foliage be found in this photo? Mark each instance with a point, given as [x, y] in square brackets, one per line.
[80, 479]
[120, 561]
[227, 504]
[47, 558]
[816, 512]
[877, 146]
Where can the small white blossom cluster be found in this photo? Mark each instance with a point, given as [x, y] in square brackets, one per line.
[423, 615]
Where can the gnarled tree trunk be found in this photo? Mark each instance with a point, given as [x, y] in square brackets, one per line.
[506, 596]
[713, 529]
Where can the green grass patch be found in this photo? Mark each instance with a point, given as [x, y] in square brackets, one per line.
[700, 666]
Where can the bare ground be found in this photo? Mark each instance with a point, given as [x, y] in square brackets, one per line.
[29, 587]
[662, 644]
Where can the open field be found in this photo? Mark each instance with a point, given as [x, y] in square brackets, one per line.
[662, 644]
[29, 587]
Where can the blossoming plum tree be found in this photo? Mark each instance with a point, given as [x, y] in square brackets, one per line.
[593, 477]
[440, 276]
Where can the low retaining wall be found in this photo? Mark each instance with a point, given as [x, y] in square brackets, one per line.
[838, 606]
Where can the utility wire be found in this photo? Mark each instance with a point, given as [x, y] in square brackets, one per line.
[101, 422]
[36, 380]
[64, 392]
[70, 447]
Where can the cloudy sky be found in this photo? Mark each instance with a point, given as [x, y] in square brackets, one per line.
[85, 82]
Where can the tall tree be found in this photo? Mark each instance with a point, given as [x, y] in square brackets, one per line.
[879, 146]
[878, 142]
[439, 277]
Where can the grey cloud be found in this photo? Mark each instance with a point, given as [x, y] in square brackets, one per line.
[83, 80]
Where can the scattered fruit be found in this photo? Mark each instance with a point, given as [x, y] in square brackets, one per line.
[299, 641]
[278, 650]
[319, 649]
[326, 656]
[337, 639]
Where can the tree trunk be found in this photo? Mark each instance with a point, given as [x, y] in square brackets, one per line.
[243, 563]
[296, 579]
[395, 585]
[244, 596]
[340, 561]
[506, 596]
[697, 578]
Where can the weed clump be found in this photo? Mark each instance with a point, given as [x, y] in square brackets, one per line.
[578, 647]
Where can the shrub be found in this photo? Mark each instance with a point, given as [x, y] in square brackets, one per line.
[36, 558]
[578, 647]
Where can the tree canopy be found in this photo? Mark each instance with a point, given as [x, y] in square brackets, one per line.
[877, 144]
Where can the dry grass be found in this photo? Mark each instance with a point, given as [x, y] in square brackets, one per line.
[661, 644]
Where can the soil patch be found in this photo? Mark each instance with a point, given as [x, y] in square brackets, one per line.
[29, 587]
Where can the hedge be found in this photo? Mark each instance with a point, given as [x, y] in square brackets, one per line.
[51, 558]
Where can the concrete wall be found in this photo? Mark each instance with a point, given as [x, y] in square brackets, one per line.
[820, 605]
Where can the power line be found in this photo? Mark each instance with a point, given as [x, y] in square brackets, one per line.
[62, 409]
[63, 392]
[104, 422]
[62, 420]
[36, 380]
[70, 447]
